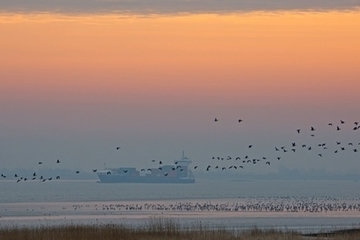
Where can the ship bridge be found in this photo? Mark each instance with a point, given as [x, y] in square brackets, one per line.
[184, 161]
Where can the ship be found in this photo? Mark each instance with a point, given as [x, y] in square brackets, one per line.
[180, 172]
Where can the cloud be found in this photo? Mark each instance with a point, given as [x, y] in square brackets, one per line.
[171, 6]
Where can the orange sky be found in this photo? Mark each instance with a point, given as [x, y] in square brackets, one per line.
[143, 76]
[254, 51]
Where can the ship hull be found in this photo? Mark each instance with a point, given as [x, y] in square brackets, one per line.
[177, 173]
[142, 179]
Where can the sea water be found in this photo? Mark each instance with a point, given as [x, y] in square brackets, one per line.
[226, 203]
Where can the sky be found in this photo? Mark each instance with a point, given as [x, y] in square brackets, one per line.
[79, 78]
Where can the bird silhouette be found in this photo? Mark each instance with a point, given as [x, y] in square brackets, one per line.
[117, 148]
[58, 161]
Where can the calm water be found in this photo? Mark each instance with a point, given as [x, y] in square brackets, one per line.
[208, 201]
[90, 190]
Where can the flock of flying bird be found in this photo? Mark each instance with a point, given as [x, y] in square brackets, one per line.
[239, 162]
[292, 148]
[35, 175]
